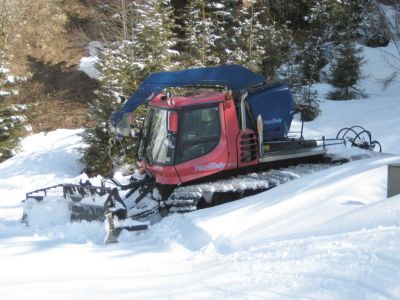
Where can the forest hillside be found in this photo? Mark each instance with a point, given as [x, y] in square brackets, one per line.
[43, 42]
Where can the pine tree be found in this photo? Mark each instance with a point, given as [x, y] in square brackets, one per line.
[226, 32]
[13, 121]
[276, 40]
[312, 58]
[345, 72]
[100, 152]
[345, 67]
[199, 42]
[155, 40]
[124, 65]
[346, 16]
[250, 36]
[211, 32]
[374, 28]
[307, 103]
[310, 61]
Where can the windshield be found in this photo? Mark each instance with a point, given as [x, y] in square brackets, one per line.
[157, 145]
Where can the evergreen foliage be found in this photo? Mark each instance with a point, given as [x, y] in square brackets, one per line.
[200, 38]
[12, 116]
[124, 65]
[99, 154]
[345, 67]
[222, 32]
[310, 61]
[345, 72]
[373, 29]
[282, 40]
[307, 102]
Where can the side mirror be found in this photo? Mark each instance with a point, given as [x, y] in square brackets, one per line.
[136, 134]
[122, 127]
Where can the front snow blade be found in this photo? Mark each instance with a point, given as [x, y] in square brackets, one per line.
[115, 230]
[112, 234]
[64, 203]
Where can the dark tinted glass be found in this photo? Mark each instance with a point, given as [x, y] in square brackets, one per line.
[200, 132]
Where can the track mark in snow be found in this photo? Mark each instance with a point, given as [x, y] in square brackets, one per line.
[352, 202]
[340, 266]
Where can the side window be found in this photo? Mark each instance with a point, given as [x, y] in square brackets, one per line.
[200, 132]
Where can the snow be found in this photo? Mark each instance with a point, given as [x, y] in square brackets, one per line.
[48, 213]
[46, 159]
[4, 93]
[4, 70]
[10, 79]
[376, 113]
[88, 63]
[328, 235]
[332, 234]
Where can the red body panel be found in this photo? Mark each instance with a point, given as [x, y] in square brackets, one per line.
[163, 174]
[225, 156]
[232, 132]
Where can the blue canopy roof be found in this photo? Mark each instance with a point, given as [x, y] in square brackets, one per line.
[234, 77]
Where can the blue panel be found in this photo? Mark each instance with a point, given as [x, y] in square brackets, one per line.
[275, 105]
[234, 77]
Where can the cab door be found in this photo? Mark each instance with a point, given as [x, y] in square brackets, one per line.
[202, 144]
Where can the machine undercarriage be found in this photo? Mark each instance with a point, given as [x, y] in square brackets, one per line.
[142, 205]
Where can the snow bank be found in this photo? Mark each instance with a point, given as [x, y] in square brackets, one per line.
[379, 115]
[328, 235]
[378, 112]
[45, 159]
[307, 206]
[88, 64]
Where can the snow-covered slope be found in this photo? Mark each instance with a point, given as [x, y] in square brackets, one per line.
[378, 115]
[378, 112]
[328, 235]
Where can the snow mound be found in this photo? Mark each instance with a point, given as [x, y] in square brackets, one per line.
[47, 213]
[88, 63]
[312, 205]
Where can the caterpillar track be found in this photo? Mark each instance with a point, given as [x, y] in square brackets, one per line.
[189, 198]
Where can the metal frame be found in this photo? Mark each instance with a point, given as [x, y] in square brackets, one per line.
[358, 140]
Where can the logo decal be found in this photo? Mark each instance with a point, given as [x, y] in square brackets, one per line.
[210, 166]
[273, 121]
